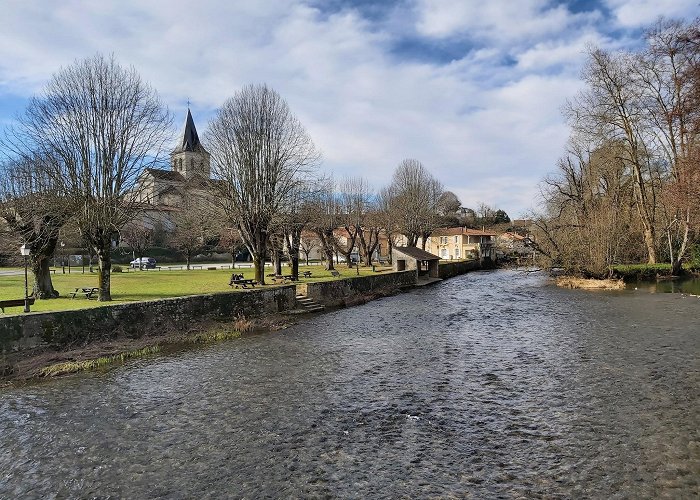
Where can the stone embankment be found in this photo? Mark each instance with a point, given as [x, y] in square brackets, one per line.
[28, 334]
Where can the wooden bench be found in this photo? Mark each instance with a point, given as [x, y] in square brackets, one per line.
[88, 292]
[335, 273]
[307, 274]
[14, 303]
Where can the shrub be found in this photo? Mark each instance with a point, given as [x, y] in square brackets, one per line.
[117, 269]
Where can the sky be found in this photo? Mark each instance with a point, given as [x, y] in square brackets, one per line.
[471, 88]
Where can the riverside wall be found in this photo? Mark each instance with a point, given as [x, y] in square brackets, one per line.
[337, 292]
[62, 329]
[452, 269]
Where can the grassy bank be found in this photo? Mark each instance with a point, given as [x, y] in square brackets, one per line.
[148, 285]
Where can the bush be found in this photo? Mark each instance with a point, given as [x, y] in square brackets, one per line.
[117, 269]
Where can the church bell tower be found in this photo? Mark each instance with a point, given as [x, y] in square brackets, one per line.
[189, 157]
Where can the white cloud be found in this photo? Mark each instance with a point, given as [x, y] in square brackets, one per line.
[497, 21]
[489, 130]
[639, 13]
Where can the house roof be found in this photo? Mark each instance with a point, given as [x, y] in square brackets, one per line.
[453, 231]
[416, 253]
[189, 140]
[512, 236]
[166, 175]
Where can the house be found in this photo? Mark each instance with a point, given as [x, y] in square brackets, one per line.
[462, 243]
[514, 245]
[408, 258]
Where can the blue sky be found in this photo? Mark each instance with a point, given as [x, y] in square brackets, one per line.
[471, 88]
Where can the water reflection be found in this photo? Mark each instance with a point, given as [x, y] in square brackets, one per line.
[680, 285]
[491, 384]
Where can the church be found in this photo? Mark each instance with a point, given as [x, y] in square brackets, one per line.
[189, 175]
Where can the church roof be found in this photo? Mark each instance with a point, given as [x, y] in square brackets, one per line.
[166, 175]
[189, 140]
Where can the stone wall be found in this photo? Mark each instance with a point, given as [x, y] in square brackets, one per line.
[334, 293]
[135, 319]
[452, 269]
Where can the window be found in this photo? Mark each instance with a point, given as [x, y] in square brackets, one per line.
[456, 238]
[457, 253]
[444, 253]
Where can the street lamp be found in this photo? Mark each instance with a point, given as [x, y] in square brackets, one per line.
[63, 258]
[26, 252]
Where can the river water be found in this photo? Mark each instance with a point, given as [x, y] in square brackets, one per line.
[492, 384]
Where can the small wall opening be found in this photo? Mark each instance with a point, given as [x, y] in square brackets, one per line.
[400, 264]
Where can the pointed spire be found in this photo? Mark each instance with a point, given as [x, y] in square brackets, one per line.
[189, 140]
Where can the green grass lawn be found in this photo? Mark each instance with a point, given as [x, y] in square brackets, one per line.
[147, 285]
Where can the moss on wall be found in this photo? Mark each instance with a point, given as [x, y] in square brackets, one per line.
[63, 329]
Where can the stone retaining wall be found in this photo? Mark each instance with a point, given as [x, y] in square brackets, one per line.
[135, 319]
[334, 293]
[452, 269]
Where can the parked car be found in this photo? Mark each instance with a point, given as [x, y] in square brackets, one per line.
[143, 263]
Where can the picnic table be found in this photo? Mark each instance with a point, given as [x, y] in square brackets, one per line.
[237, 281]
[244, 283]
[88, 292]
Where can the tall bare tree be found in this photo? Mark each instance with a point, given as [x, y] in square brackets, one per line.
[611, 108]
[354, 198]
[261, 153]
[101, 125]
[416, 195]
[323, 219]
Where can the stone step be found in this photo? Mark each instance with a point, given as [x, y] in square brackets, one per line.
[309, 305]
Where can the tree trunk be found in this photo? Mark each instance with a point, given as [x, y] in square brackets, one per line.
[390, 248]
[188, 258]
[43, 286]
[40, 266]
[293, 244]
[277, 258]
[104, 262]
[259, 263]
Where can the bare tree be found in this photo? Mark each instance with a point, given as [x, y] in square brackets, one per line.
[101, 125]
[230, 240]
[323, 220]
[386, 217]
[307, 243]
[612, 109]
[34, 209]
[138, 237]
[415, 200]
[448, 203]
[669, 76]
[354, 199]
[261, 154]
[197, 227]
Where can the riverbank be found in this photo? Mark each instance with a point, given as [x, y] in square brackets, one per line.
[106, 354]
[49, 344]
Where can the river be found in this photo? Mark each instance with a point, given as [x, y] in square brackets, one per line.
[491, 384]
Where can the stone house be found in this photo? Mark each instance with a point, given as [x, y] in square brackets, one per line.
[462, 243]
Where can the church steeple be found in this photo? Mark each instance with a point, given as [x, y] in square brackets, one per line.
[189, 156]
[189, 141]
